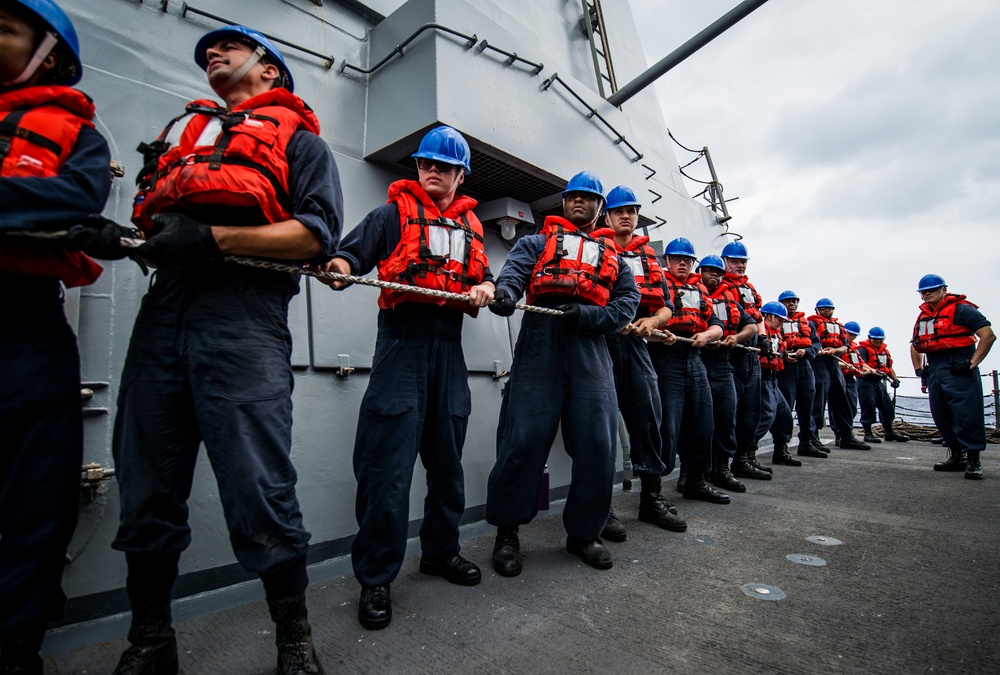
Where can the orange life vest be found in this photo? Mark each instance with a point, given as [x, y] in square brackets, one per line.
[747, 294]
[936, 329]
[439, 251]
[641, 259]
[775, 361]
[726, 308]
[223, 158]
[878, 357]
[852, 357]
[38, 131]
[574, 265]
[829, 331]
[796, 331]
[692, 307]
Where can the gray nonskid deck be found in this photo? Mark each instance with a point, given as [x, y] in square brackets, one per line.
[913, 588]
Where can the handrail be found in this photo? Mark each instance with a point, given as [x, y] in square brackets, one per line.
[512, 57]
[400, 48]
[593, 113]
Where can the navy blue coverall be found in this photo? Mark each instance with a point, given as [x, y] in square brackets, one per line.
[957, 400]
[638, 400]
[41, 424]
[209, 360]
[774, 411]
[417, 403]
[688, 418]
[797, 383]
[746, 378]
[723, 386]
[559, 374]
[875, 399]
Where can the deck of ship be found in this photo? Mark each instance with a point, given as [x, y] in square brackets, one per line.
[912, 588]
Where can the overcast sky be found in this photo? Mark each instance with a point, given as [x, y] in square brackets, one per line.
[863, 141]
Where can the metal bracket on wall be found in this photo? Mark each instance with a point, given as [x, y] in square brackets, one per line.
[511, 57]
[497, 373]
[185, 8]
[344, 370]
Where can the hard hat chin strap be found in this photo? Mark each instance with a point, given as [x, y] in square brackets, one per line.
[242, 71]
[44, 49]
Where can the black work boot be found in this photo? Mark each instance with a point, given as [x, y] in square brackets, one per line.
[743, 468]
[870, 436]
[807, 449]
[974, 471]
[836, 438]
[656, 510]
[850, 442]
[891, 435]
[721, 477]
[153, 647]
[782, 456]
[818, 444]
[957, 461]
[614, 530]
[507, 552]
[751, 455]
[285, 589]
[19, 650]
[696, 487]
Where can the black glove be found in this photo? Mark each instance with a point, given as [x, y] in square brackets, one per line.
[502, 304]
[180, 240]
[894, 384]
[963, 367]
[570, 313]
[766, 348]
[100, 237]
[920, 372]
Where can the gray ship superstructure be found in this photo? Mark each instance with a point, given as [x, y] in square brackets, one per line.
[525, 81]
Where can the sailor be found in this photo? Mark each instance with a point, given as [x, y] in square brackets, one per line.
[561, 373]
[775, 415]
[209, 356]
[746, 366]
[954, 338]
[54, 170]
[418, 400]
[737, 328]
[635, 379]
[685, 392]
[830, 383]
[876, 356]
[796, 380]
[852, 368]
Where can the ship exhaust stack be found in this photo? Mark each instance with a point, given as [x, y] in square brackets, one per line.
[724, 23]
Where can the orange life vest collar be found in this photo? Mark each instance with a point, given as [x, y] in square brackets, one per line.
[437, 251]
[574, 265]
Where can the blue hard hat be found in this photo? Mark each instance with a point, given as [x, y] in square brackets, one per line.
[930, 281]
[876, 332]
[825, 302]
[445, 144]
[680, 246]
[52, 14]
[585, 181]
[853, 327]
[621, 196]
[242, 34]
[735, 249]
[775, 308]
[787, 295]
[712, 261]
